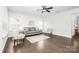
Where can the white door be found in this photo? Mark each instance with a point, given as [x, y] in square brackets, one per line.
[1, 41]
[73, 23]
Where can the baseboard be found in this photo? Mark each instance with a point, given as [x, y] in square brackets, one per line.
[68, 37]
[61, 35]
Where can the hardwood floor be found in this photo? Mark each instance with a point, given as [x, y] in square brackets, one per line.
[55, 44]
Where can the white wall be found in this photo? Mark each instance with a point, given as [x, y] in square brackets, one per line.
[62, 23]
[3, 27]
[18, 19]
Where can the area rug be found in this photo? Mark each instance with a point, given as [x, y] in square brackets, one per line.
[37, 38]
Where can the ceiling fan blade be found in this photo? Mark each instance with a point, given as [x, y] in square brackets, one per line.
[50, 8]
[47, 10]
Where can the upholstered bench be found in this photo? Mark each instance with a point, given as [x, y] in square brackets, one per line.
[17, 37]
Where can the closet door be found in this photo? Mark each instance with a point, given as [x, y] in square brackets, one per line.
[1, 41]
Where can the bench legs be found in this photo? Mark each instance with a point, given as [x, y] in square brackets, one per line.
[14, 42]
[17, 41]
[23, 40]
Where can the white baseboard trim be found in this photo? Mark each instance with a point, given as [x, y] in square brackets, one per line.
[63, 36]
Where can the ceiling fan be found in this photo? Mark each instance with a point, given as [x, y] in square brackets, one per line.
[45, 9]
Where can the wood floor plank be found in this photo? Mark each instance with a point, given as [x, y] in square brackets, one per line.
[55, 44]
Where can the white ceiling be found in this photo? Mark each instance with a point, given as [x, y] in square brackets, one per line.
[33, 9]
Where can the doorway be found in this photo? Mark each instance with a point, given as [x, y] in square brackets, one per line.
[77, 25]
